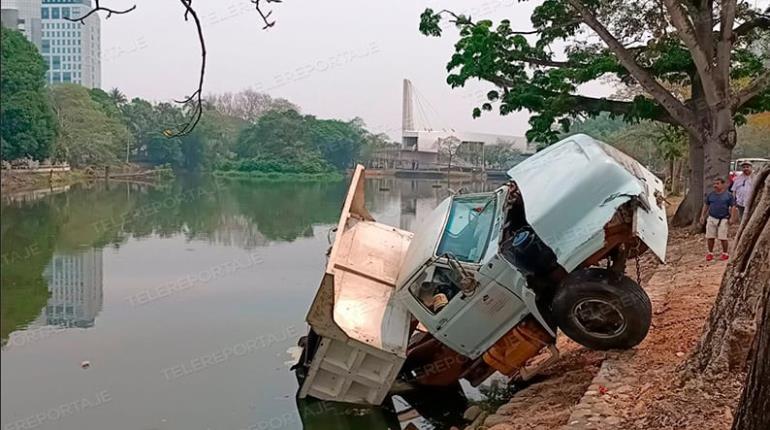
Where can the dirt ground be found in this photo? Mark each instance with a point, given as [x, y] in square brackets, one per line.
[640, 388]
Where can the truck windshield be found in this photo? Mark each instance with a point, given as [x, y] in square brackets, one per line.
[468, 227]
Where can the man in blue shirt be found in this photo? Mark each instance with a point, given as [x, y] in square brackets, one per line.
[719, 205]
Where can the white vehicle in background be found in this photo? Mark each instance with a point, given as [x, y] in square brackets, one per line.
[489, 278]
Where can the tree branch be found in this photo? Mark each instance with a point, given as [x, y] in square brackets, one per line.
[757, 86]
[761, 21]
[617, 107]
[725, 46]
[265, 16]
[464, 20]
[98, 8]
[195, 100]
[686, 32]
[546, 63]
[676, 109]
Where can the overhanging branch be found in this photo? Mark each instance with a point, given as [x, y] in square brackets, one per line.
[676, 109]
[760, 22]
[265, 15]
[98, 8]
[195, 100]
[592, 104]
[757, 86]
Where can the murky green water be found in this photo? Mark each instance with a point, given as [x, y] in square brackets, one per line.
[139, 307]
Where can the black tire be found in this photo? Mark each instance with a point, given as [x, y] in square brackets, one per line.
[600, 310]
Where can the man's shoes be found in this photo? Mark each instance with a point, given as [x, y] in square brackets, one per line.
[709, 256]
[724, 256]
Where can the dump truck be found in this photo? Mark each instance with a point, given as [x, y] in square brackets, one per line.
[487, 280]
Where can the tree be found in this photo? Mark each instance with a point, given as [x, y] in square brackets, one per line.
[248, 105]
[752, 412]
[339, 142]
[27, 124]
[447, 148]
[87, 134]
[210, 142]
[670, 144]
[117, 97]
[276, 134]
[703, 44]
[500, 156]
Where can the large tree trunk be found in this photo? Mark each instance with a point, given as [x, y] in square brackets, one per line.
[719, 148]
[689, 210]
[730, 329]
[754, 407]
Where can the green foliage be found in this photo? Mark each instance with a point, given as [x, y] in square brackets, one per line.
[311, 163]
[288, 142]
[542, 72]
[106, 103]
[282, 135]
[338, 141]
[501, 156]
[27, 123]
[88, 135]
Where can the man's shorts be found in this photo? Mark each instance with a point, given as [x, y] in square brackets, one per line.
[716, 228]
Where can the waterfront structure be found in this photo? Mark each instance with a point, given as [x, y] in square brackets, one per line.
[420, 147]
[24, 16]
[72, 50]
[426, 139]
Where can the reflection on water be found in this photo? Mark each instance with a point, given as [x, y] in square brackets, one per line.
[71, 262]
[75, 289]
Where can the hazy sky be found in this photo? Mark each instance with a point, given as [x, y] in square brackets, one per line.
[333, 58]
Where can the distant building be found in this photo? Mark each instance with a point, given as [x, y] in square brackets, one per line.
[23, 15]
[420, 146]
[75, 282]
[72, 50]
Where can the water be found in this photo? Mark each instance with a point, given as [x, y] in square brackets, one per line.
[137, 307]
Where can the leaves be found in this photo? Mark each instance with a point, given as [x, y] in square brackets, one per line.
[429, 23]
[88, 134]
[27, 123]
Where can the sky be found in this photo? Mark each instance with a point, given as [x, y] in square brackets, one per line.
[333, 58]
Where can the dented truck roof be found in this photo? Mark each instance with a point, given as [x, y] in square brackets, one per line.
[573, 188]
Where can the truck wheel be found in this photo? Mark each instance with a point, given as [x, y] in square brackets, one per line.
[600, 310]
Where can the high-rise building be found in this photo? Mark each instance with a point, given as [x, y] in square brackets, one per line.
[75, 282]
[71, 49]
[23, 15]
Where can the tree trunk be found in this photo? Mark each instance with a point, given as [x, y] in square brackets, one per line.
[726, 338]
[719, 148]
[672, 174]
[688, 211]
[753, 411]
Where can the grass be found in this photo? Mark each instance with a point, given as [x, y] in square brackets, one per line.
[280, 176]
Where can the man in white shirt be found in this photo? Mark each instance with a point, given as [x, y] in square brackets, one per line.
[742, 186]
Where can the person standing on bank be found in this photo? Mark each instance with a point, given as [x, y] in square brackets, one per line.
[742, 186]
[719, 205]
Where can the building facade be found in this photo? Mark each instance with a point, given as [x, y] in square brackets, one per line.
[23, 15]
[72, 50]
[75, 282]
